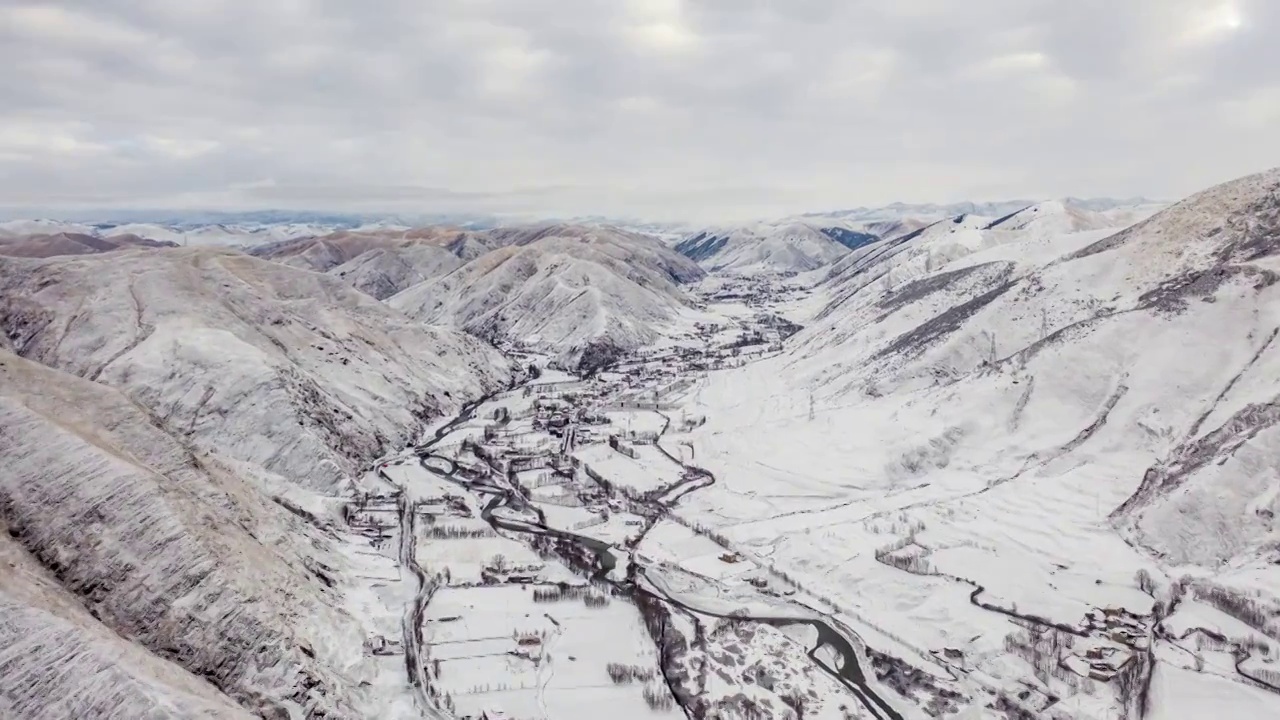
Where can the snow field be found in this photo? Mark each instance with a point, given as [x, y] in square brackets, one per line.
[636, 421]
[575, 645]
[376, 593]
[1180, 694]
[649, 471]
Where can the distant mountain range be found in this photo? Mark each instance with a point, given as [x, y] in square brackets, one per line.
[997, 208]
[807, 242]
[794, 244]
[104, 220]
[108, 218]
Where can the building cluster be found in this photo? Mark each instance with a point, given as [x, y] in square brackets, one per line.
[498, 572]
[1119, 626]
[1113, 637]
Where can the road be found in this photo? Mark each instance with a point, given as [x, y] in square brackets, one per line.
[415, 661]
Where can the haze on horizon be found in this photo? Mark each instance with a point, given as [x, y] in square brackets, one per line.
[660, 109]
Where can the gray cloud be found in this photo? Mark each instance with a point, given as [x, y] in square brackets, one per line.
[660, 108]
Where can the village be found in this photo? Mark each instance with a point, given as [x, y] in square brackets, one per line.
[501, 624]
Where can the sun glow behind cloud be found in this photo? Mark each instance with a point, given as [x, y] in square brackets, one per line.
[1214, 23]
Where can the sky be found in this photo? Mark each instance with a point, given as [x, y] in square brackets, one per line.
[653, 109]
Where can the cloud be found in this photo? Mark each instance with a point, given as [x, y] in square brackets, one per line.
[661, 108]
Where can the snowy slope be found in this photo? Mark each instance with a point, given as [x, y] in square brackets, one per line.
[57, 660]
[71, 243]
[291, 370]
[382, 261]
[563, 289]
[1058, 217]
[243, 234]
[1104, 312]
[1030, 235]
[142, 579]
[383, 272]
[809, 242]
[18, 228]
[1030, 420]
[325, 252]
[902, 258]
[226, 234]
[782, 247]
[934, 211]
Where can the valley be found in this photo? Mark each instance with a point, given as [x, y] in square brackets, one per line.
[640, 360]
[508, 487]
[1011, 467]
[762, 493]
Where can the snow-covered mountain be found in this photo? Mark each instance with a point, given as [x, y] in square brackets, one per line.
[791, 246]
[168, 420]
[385, 271]
[935, 211]
[916, 252]
[233, 234]
[1107, 314]
[382, 261]
[284, 368]
[580, 292]
[145, 578]
[40, 226]
[42, 245]
[322, 253]
[995, 435]
[1023, 463]
[810, 241]
[1058, 216]
[1028, 233]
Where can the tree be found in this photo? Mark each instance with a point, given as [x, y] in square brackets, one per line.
[796, 703]
[1145, 583]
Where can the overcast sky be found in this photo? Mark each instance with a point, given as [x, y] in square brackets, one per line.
[662, 109]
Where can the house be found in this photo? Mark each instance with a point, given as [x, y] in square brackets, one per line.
[379, 645]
